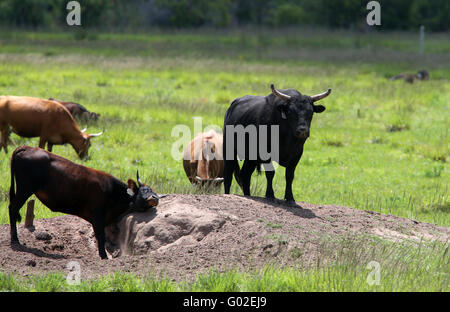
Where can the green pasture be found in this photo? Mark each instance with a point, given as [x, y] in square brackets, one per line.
[380, 145]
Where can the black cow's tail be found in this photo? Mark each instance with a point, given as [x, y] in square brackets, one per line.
[237, 173]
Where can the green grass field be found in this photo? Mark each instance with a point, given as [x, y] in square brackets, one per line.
[399, 267]
[381, 145]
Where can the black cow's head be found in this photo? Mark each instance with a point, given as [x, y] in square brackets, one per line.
[142, 196]
[298, 110]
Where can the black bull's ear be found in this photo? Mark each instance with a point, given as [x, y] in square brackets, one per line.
[318, 108]
[282, 106]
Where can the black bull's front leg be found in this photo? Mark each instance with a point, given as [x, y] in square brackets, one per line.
[289, 174]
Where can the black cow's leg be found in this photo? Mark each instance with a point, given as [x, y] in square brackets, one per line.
[288, 196]
[269, 190]
[99, 230]
[246, 175]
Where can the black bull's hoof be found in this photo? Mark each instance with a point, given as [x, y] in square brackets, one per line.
[291, 203]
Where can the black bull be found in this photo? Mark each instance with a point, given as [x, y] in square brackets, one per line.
[284, 118]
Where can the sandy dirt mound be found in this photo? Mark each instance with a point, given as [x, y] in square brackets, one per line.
[180, 224]
[189, 234]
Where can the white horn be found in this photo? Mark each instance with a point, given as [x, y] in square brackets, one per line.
[218, 179]
[96, 134]
[321, 95]
[84, 130]
[279, 94]
[199, 179]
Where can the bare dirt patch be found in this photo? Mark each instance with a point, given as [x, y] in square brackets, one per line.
[190, 234]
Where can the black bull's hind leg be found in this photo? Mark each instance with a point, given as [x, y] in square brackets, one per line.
[270, 173]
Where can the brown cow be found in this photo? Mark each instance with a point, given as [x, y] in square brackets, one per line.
[67, 187]
[33, 117]
[202, 159]
[78, 110]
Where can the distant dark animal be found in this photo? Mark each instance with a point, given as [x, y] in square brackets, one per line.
[33, 117]
[66, 187]
[202, 159]
[291, 113]
[78, 111]
[421, 75]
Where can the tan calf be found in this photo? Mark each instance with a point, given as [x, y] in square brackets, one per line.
[203, 160]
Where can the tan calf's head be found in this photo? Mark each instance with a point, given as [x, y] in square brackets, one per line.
[207, 169]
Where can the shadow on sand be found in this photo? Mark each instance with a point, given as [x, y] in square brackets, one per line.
[35, 251]
[294, 209]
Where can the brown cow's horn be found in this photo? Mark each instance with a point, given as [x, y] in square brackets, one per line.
[320, 96]
[277, 93]
[96, 134]
[138, 179]
[84, 130]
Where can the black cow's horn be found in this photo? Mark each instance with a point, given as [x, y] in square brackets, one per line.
[138, 180]
[320, 96]
[279, 94]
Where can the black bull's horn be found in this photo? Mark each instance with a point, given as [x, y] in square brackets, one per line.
[320, 96]
[279, 94]
[285, 97]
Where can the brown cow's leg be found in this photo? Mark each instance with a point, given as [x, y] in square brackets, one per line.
[49, 146]
[42, 141]
[11, 141]
[4, 140]
[99, 230]
[14, 207]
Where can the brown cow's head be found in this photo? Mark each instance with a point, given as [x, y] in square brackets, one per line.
[83, 148]
[142, 196]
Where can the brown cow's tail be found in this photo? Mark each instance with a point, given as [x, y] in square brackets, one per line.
[12, 191]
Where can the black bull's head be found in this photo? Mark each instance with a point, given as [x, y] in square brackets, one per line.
[298, 110]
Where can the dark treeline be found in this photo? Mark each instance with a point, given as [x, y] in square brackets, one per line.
[141, 14]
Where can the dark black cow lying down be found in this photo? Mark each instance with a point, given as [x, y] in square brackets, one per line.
[66, 187]
[290, 112]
